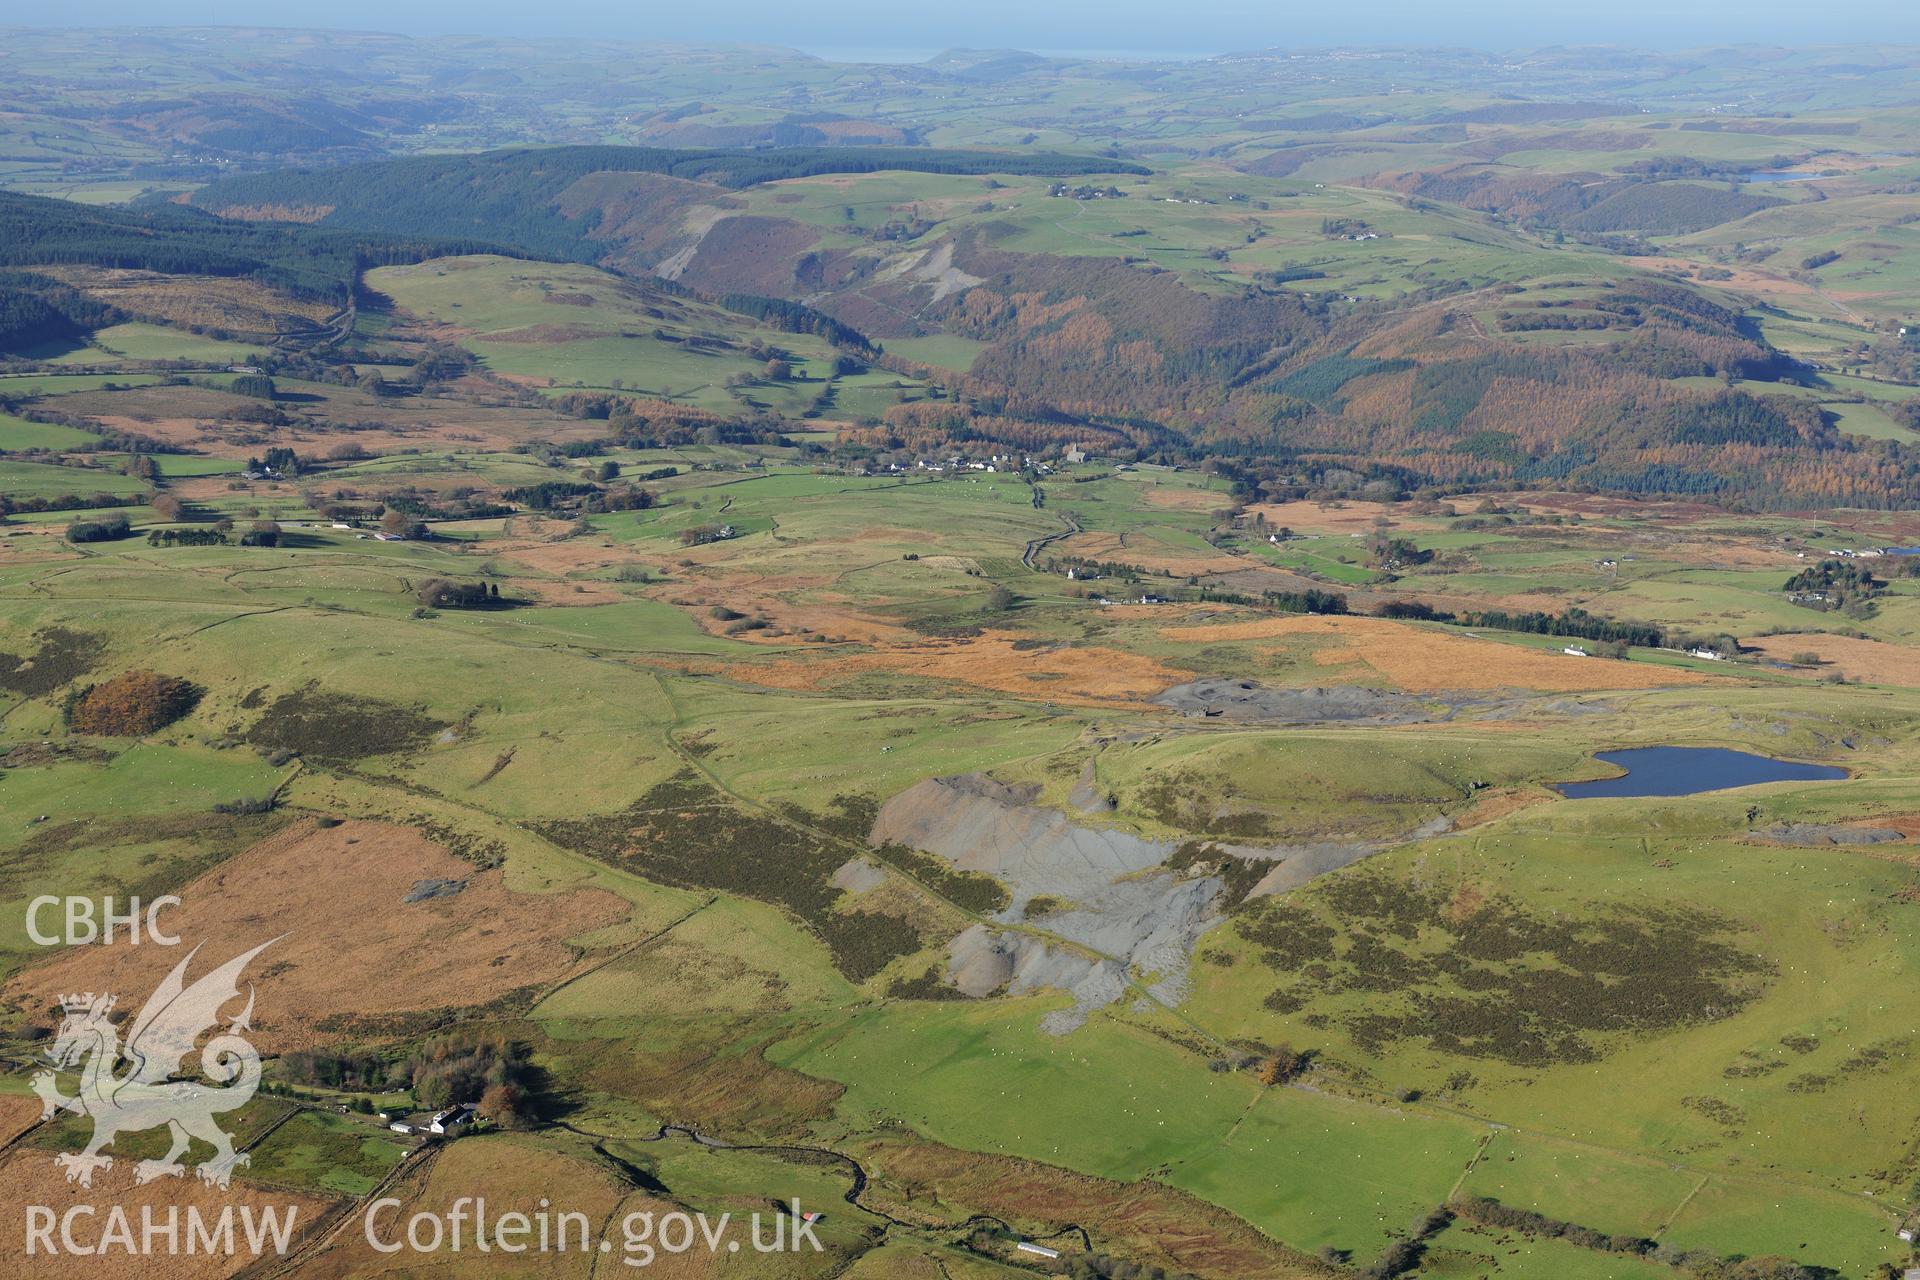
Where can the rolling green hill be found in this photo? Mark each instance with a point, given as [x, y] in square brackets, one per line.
[305, 261]
[509, 196]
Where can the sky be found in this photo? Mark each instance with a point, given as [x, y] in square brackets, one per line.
[1135, 27]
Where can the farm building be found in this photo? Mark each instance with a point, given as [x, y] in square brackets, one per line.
[450, 1119]
[1038, 1250]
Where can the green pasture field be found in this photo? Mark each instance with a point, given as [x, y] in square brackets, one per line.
[808, 750]
[761, 962]
[55, 384]
[1852, 1235]
[632, 626]
[1322, 1171]
[1336, 561]
[99, 192]
[568, 327]
[347, 1155]
[136, 341]
[1309, 782]
[984, 1077]
[143, 778]
[1120, 501]
[18, 434]
[946, 350]
[1868, 420]
[1464, 1250]
[1596, 1188]
[21, 479]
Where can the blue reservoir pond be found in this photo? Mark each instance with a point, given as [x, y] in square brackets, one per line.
[1685, 771]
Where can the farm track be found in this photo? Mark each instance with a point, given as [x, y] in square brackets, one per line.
[622, 953]
[1038, 545]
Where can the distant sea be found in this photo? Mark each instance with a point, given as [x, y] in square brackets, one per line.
[857, 53]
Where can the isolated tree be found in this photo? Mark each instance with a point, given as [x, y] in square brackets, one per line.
[1282, 1065]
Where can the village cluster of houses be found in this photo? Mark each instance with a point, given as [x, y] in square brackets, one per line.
[1072, 455]
[994, 465]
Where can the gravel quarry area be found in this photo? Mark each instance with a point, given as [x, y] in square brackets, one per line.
[982, 961]
[1144, 925]
[1243, 701]
[858, 876]
[1112, 895]
[979, 824]
[1294, 865]
[1117, 903]
[1247, 700]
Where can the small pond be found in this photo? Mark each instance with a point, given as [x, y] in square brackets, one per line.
[1683, 771]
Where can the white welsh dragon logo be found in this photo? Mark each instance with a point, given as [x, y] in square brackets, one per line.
[157, 1046]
